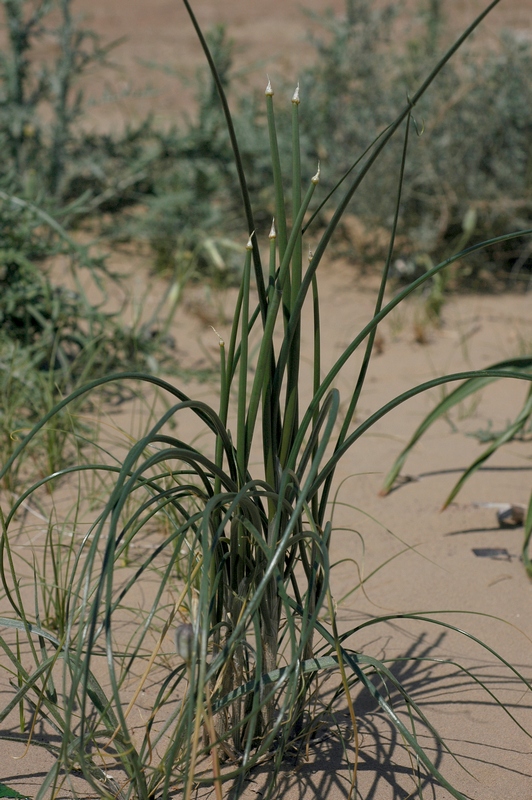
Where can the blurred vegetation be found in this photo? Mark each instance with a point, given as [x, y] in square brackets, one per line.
[458, 189]
[177, 188]
[52, 338]
[476, 119]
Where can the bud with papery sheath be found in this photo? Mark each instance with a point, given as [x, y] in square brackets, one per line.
[184, 642]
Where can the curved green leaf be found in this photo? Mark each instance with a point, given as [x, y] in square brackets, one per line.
[6, 791]
[459, 394]
[528, 534]
[506, 436]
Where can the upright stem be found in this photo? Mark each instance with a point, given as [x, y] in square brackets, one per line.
[280, 212]
[292, 386]
[19, 35]
[65, 69]
[238, 160]
[241, 447]
[269, 435]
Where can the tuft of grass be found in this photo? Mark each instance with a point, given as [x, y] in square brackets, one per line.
[243, 561]
[54, 338]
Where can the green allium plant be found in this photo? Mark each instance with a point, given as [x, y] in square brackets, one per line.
[243, 563]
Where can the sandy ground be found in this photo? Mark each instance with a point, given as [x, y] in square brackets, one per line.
[459, 564]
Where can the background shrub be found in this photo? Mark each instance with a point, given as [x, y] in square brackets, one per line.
[459, 189]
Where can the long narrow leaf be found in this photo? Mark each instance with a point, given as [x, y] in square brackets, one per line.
[458, 395]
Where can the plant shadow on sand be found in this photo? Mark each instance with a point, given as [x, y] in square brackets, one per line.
[385, 771]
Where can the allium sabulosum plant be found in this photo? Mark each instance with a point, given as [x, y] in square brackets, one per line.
[244, 559]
